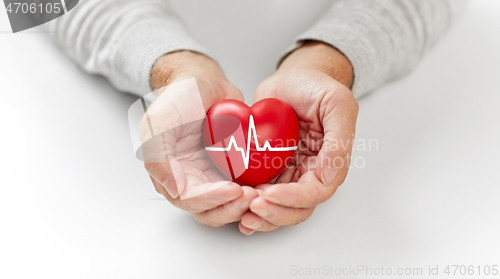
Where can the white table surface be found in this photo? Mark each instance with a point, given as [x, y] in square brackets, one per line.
[76, 203]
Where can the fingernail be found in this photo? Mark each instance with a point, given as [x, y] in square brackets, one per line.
[250, 233]
[255, 225]
[261, 212]
[173, 193]
[328, 175]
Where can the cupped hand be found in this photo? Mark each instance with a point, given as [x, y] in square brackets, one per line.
[175, 158]
[314, 80]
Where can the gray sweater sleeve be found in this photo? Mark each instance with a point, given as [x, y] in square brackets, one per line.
[383, 39]
[121, 39]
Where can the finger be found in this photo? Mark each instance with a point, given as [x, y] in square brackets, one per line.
[338, 114]
[306, 193]
[255, 223]
[161, 190]
[263, 187]
[279, 215]
[229, 212]
[161, 168]
[233, 92]
[163, 174]
[221, 192]
[245, 230]
[290, 174]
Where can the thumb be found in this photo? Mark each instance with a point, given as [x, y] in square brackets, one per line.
[339, 125]
[162, 166]
[267, 89]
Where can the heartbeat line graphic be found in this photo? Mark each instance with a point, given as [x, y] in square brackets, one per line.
[246, 156]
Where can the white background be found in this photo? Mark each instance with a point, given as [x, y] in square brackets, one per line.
[75, 203]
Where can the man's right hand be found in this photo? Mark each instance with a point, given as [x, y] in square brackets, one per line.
[216, 201]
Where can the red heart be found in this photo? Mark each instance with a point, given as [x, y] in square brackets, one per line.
[226, 134]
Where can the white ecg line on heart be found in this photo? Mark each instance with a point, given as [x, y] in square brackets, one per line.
[246, 157]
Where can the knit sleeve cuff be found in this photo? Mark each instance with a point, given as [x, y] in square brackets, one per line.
[350, 42]
[383, 40]
[138, 49]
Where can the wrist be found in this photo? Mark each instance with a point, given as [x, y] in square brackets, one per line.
[183, 64]
[316, 55]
